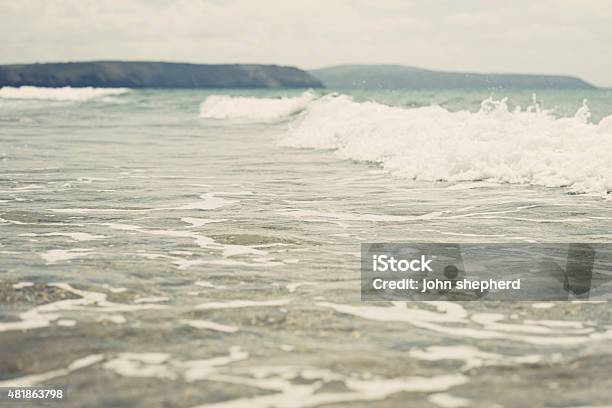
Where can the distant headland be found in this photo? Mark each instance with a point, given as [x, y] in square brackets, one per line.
[148, 74]
[406, 77]
[145, 74]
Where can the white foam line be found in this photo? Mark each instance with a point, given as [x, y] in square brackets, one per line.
[32, 187]
[466, 185]
[208, 325]
[21, 285]
[292, 287]
[66, 322]
[471, 356]
[143, 365]
[152, 299]
[464, 234]
[488, 327]
[31, 380]
[556, 323]
[539, 220]
[114, 318]
[543, 305]
[233, 250]
[209, 202]
[235, 304]
[39, 224]
[206, 284]
[66, 93]
[358, 217]
[228, 250]
[310, 395]
[98, 210]
[183, 264]
[230, 262]
[199, 222]
[56, 255]
[161, 365]
[89, 180]
[113, 289]
[195, 370]
[76, 236]
[491, 321]
[448, 401]
[44, 315]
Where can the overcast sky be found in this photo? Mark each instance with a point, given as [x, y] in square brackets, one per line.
[528, 36]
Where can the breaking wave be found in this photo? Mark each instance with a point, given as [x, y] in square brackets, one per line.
[248, 108]
[495, 144]
[59, 94]
[520, 146]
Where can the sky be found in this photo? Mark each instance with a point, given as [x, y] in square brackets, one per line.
[572, 37]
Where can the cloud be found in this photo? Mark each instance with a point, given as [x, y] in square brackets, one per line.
[556, 36]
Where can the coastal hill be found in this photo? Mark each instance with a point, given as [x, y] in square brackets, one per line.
[141, 74]
[404, 77]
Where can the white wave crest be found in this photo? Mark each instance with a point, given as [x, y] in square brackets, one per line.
[495, 144]
[58, 94]
[249, 108]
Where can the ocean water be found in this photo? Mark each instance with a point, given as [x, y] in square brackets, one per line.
[201, 248]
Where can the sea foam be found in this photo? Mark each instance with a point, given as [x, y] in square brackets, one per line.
[248, 108]
[58, 94]
[431, 143]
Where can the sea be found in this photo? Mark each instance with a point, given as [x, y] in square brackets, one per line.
[201, 248]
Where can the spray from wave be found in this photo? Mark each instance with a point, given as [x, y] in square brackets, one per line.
[248, 108]
[59, 94]
[431, 143]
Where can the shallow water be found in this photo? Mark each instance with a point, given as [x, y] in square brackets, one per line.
[154, 257]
